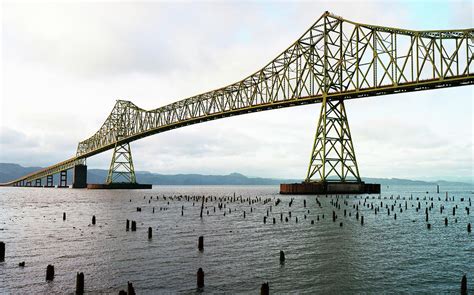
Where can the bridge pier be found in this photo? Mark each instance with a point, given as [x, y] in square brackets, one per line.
[63, 179]
[80, 176]
[49, 181]
[38, 182]
[28, 183]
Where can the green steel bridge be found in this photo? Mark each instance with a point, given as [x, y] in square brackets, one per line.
[334, 60]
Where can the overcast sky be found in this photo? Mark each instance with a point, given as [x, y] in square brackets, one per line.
[63, 65]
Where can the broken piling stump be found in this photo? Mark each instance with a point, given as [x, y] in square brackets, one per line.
[80, 283]
[200, 278]
[49, 272]
[265, 289]
[130, 289]
[2, 251]
[464, 285]
[201, 243]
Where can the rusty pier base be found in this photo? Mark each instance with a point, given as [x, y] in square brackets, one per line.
[118, 186]
[322, 188]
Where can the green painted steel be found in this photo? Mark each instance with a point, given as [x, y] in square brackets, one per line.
[121, 167]
[334, 60]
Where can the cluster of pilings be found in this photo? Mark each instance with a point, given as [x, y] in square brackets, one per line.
[345, 208]
[277, 211]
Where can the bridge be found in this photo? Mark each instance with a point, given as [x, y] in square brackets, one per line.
[334, 60]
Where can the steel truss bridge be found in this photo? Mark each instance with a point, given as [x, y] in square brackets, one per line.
[334, 60]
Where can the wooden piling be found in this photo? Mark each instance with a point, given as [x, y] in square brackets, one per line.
[202, 206]
[130, 289]
[2, 251]
[50, 272]
[464, 285]
[127, 226]
[134, 225]
[265, 289]
[93, 219]
[150, 233]
[282, 257]
[80, 283]
[468, 227]
[64, 216]
[362, 220]
[201, 243]
[200, 278]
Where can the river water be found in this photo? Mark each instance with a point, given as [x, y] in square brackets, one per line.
[383, 255]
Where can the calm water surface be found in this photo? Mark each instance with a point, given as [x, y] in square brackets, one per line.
[383, 255]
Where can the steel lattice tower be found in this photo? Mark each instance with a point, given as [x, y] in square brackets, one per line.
[333, 152]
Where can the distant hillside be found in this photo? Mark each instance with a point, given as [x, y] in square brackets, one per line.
[10, 171]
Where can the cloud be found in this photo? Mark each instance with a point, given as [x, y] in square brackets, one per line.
[65, 64]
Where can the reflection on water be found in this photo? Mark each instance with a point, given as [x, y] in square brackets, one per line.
[383, 255]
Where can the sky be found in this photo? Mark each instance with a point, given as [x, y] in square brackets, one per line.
[64, 64]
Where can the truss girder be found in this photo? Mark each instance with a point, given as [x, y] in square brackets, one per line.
[334, 57]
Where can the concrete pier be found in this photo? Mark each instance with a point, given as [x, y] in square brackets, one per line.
[319, 188]
[79, 179]
[121, 185]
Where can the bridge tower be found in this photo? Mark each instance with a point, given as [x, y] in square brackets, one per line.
[121, 167]
[333, 156]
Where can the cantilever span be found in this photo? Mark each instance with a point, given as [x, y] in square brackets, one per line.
[334, 60]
